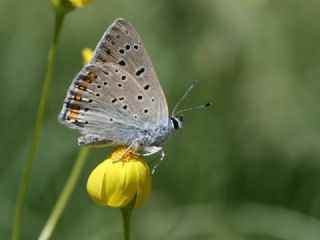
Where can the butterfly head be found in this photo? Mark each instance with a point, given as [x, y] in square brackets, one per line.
[176, 122]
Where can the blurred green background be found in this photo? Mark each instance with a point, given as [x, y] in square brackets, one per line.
[247, 168]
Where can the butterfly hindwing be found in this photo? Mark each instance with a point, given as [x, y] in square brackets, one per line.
[106, 104]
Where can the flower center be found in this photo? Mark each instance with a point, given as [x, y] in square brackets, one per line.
[120, 152]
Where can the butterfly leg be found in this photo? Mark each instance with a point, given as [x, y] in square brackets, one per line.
[158, 162]
[126, 151]
[152, 150]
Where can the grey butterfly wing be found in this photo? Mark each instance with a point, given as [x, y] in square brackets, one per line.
[122, 45]
[107, 105]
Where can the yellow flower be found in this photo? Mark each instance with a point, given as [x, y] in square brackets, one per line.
[80, 3]
[116, 183]
[65, 6]
[87, 54]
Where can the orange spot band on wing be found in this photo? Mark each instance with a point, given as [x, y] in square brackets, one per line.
[87, 80]
[81, 87]
[75, 107]
[78, 98]
[73, 115]
[92, 75]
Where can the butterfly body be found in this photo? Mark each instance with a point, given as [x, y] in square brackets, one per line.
[130, 135]
[117, 99]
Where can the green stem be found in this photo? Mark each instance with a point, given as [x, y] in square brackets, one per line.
[126, 217]
[37, 129]
[65, 195]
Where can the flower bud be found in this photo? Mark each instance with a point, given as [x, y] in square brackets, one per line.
[87, 54]
[116, 182]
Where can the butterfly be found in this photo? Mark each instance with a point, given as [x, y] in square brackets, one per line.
[117, 98]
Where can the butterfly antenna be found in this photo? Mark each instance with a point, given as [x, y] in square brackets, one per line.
[183, 97]
[194, 108]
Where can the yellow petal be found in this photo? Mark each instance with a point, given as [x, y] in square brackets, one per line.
[120, 184]
[143, 185]
[96, 184]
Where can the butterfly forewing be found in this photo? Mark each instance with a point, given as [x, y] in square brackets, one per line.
[122, 45]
